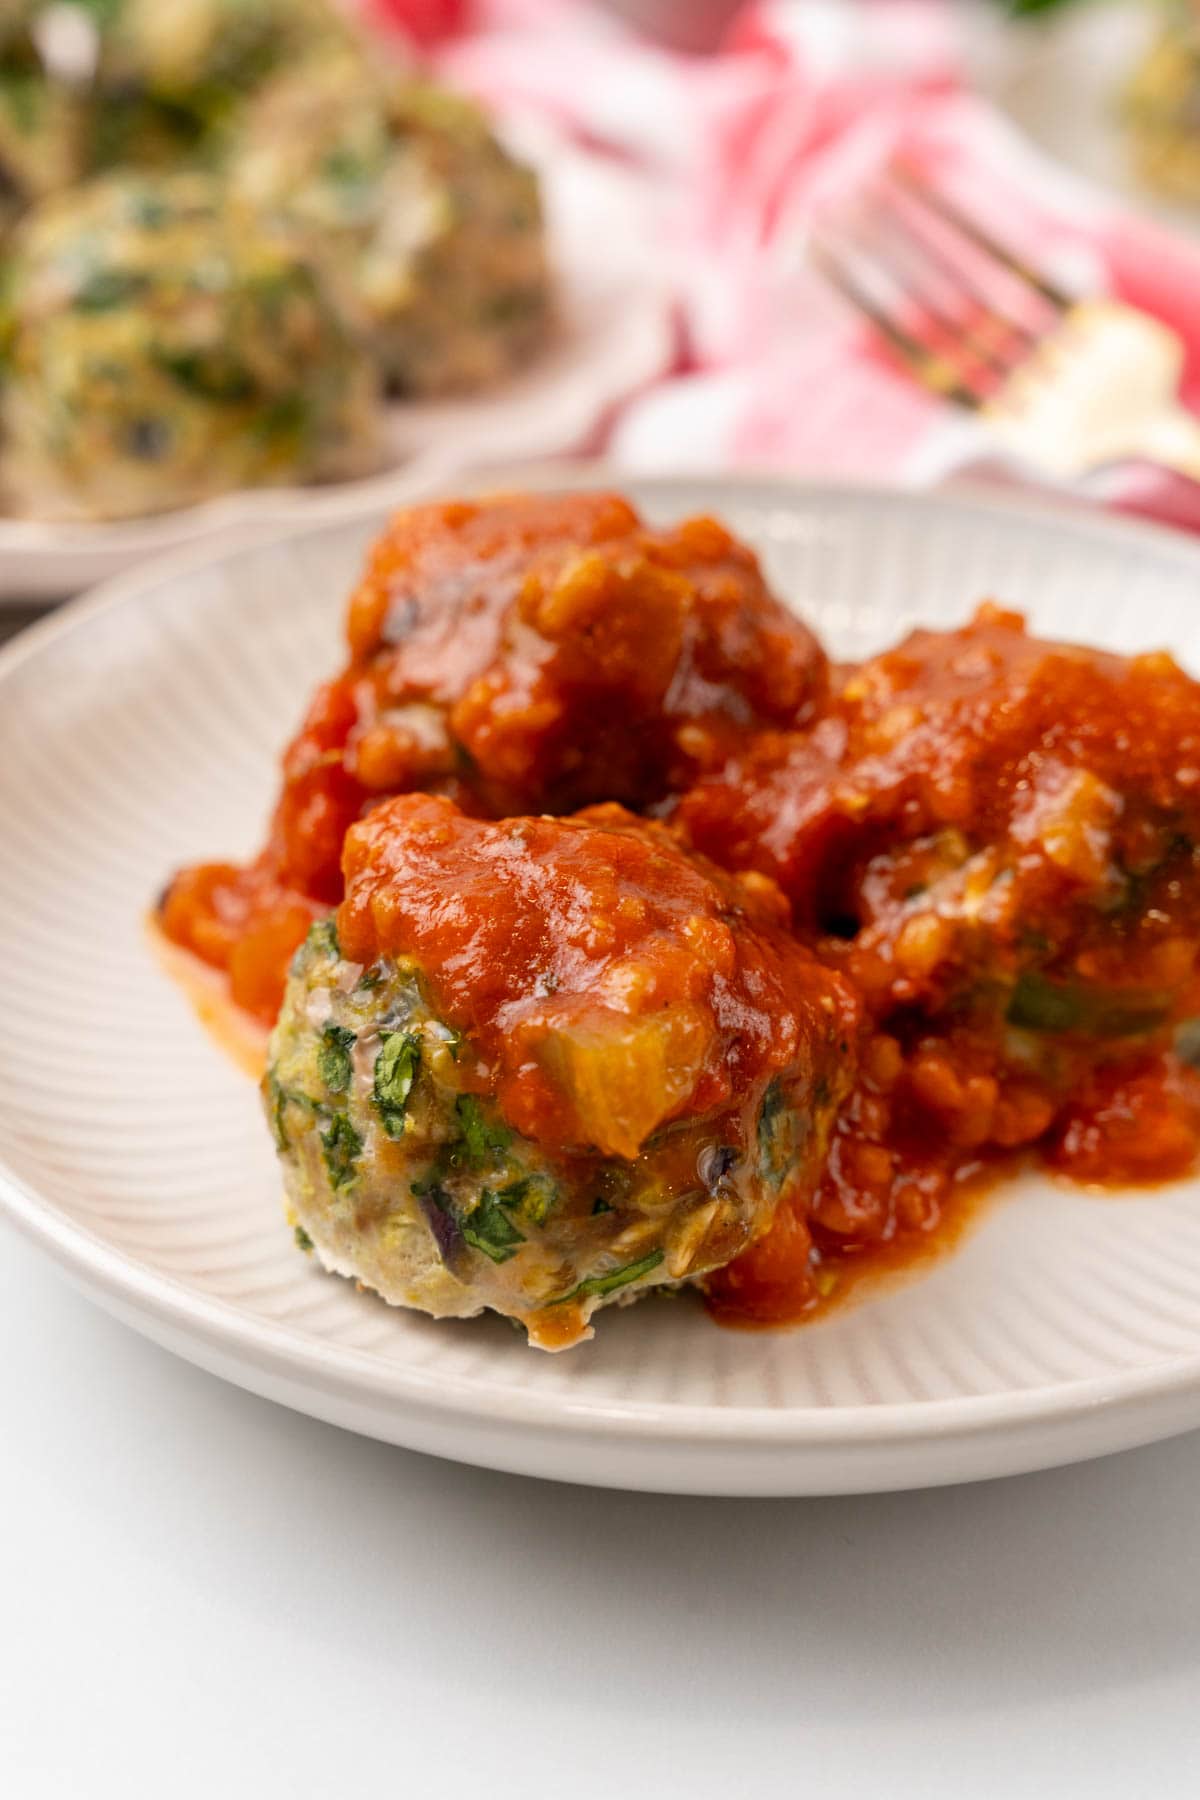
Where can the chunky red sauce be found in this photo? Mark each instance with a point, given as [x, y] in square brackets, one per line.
[519, 655]
[990, 840]
[995, 840]
[538, 937]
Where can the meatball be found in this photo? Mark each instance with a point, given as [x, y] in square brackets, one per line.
[165, 347]
[523, 654]
[972, 804]
[538, 1065]
[170, 78]
[44, 120]
[439, 229]
[204, 43]
[997, 840]
[557, 651]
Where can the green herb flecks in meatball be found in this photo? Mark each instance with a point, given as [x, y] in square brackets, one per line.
[165, 346]
[405, 1180]
[171, 77]
[441, 227]
[633, 1124]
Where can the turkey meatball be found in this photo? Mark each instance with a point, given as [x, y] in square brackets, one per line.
[539, 1065]
[520, 654]
[165, 347]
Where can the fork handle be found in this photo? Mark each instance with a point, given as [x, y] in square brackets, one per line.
[1171, 439]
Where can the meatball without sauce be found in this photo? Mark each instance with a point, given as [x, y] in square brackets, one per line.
[520, 654]
[438, 228]
[44, 121]
[164, 347]
[169, 79]
[542, 1064]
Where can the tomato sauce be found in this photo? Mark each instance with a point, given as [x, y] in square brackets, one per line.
[538, 935]
[995, 840]
[992, 843]
[517, 655]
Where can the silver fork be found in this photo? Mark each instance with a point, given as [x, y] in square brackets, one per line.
[1069, 385]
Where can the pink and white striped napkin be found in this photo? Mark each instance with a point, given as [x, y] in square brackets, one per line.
[804, 102]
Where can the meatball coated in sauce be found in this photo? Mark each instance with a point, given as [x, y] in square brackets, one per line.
[572, 653]
[523, 654]
[995, 839]
[165, 347]
[973, 795]
[544, 1063]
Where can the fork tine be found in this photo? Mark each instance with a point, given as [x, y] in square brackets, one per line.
[987, 335]
[933, 370]
[904, 175]
[997, 336]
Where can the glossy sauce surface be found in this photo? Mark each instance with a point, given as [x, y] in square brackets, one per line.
[518, 655]
[988, 841]
[542, 940]
[995, 840]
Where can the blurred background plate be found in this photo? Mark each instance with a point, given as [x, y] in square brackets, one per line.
[615, 333]
[140, 730]
[1062, 78]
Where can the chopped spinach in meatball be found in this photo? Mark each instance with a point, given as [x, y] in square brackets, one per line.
[440, 229]
[597, 1069]
[172, 75]
[165, 346]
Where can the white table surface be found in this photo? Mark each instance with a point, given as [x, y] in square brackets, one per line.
[205, 1595]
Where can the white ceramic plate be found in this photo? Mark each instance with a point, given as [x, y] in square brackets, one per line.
[615, 333]
[139, 730]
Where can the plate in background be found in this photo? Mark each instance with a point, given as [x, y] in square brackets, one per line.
[615, 333]
[139, 730]
[1061, 78]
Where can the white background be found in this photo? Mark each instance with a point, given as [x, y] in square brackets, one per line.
[205, 1595]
